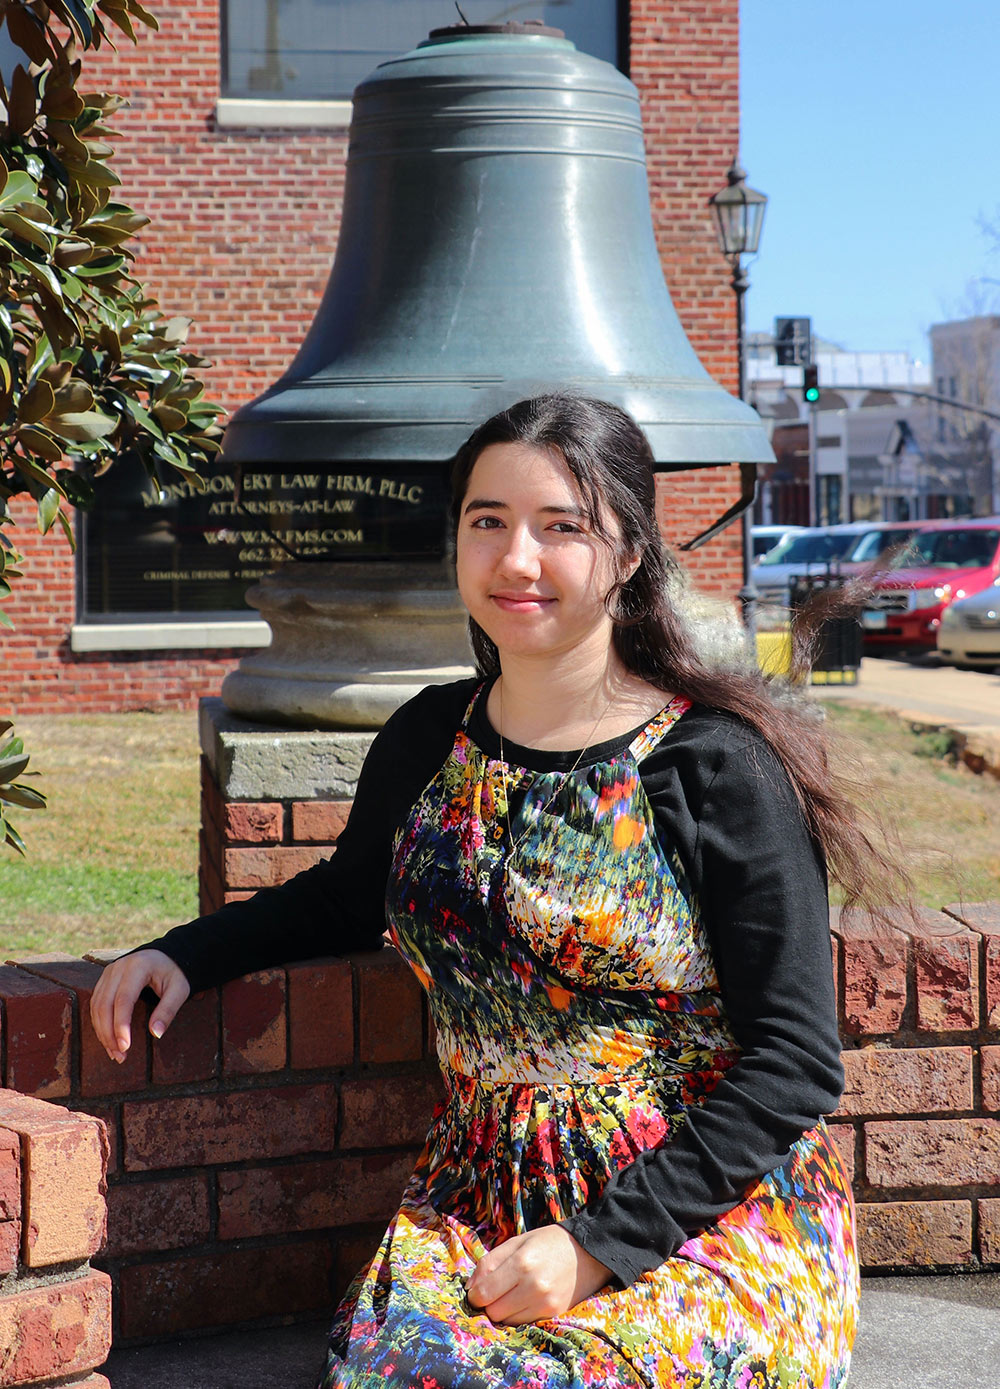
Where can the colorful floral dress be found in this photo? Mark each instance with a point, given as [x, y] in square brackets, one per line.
[578, 1017]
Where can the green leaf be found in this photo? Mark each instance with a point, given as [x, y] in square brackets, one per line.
[84, 427]
[28, 32]
[142, 13]
[72, 250]
[21, 102]
[67, 530]
[143, 417]
[45, 275]
[11, 767]
[18, 188]
[75, 12]
[48, 509]
[36, 403]
[13, 838]
[171, 419]
[98, 269]
[27, 231]
[22, 796]
[27, 467]
[41, 443]
[122, 21]
[12, 746]
[93, 174]
[75, 395]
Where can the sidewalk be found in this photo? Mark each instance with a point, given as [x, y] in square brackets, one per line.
[916, 1333]
[965, 701]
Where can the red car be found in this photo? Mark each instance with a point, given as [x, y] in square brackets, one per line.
[944, 560]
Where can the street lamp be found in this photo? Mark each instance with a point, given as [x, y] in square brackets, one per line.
[739, 216]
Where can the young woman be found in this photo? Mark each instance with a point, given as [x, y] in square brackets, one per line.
[605, 863]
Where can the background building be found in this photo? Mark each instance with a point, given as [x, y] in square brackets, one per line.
[965, 359]
[234, 145]
[882, 453]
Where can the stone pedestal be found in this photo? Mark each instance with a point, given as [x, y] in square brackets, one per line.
[352, 641]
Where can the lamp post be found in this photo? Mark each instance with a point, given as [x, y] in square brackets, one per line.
[739, 216]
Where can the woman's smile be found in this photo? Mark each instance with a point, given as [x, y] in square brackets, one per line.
[521, 602]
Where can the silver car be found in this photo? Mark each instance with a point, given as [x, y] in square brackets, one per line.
[969, 634]
[815, 550]
[766, 537]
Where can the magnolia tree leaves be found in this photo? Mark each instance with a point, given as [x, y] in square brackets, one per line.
[13, 761]
[90, 369]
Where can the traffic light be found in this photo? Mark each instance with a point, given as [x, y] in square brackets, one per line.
[810, 384]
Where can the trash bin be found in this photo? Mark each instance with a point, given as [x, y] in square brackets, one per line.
[840, 638]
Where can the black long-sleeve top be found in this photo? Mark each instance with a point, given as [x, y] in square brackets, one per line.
[722, 800]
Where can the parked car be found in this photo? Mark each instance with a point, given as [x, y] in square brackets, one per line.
[944, 561]
[969, 634]
[876, 540]
[766, 537]
[813, 550]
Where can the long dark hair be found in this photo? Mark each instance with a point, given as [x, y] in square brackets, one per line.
[612, 465]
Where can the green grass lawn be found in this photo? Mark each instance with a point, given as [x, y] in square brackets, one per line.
[114, 859]
[946, 816]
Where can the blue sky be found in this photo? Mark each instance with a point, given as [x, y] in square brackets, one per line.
[874, 128]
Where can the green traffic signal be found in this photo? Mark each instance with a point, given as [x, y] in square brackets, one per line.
[810, 384]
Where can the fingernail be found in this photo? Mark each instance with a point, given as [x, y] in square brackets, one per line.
[157, 1028]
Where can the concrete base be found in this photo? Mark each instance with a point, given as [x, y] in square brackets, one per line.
[916, 1333]
[351, 643]
[255, 761]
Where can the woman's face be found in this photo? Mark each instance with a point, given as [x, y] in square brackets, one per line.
[531, 570]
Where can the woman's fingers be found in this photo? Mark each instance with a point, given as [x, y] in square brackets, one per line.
[114, 998]
[495, 1274]
[533, 1276]
[515, 1310]
[175, 991]
[513, 1283]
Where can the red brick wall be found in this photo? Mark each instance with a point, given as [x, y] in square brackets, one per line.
[254, 1159]
[55, 1310]
[257, 1150]
[243, 229]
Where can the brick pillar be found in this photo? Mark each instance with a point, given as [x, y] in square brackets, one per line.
[273, 801]
[55, 1310]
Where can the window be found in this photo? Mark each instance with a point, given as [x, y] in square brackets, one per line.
[319, 50]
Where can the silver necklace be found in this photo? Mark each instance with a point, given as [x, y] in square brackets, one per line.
[516, 844]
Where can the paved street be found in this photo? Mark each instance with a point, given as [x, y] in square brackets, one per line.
[930, 692]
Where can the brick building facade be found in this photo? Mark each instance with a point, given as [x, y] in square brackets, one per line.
[243, 225]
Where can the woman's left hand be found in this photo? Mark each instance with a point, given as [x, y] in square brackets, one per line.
[540, 1274]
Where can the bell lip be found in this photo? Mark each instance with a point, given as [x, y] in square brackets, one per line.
[337, 443]
[690, 422]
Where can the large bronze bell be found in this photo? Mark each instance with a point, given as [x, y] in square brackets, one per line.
[496, 242]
